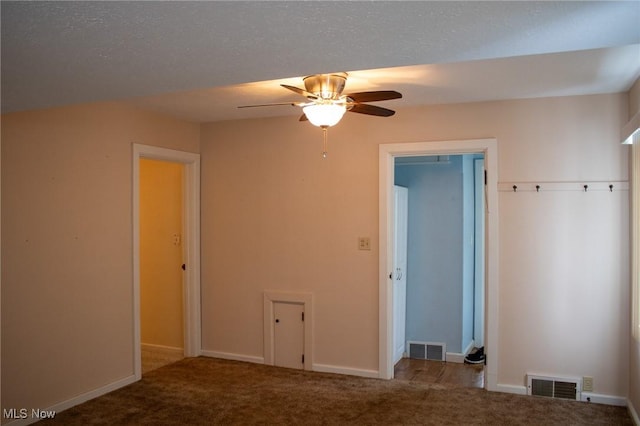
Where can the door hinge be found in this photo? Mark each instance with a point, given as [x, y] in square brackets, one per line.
[485, 177]
[303, 358]
[303, 316]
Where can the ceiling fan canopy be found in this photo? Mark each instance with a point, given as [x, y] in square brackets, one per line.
[326, 104]
[327, 86]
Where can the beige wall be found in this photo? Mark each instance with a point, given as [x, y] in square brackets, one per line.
[161, 254]
[277, 216]
[67, 246]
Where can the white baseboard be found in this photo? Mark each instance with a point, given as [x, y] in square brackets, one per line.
[233, 357]
[518, 390]
[72, 402]
[603, 399]
[594, 397]
[161, 348]
[454, 357]
[457, 357]
[323, 368]
[633, 412]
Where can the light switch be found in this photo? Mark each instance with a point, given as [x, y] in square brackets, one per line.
[364, 243]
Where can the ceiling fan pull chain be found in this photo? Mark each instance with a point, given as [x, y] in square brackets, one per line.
[324, 142]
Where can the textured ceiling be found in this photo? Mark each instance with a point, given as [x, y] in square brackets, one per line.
[193, 59]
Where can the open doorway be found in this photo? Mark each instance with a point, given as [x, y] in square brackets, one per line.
[161, 260]
[388, 153]
[440, 229]
[187, 243]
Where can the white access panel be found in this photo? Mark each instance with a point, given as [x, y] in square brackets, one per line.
[288, 334]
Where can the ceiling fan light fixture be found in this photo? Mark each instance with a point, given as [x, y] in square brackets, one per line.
[324, 115]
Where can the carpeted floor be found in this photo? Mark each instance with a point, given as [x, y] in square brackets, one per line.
[210, 391]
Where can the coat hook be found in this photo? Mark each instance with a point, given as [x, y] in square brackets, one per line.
[611, 188]
[537, 188]
[585, 188]
[515, 188]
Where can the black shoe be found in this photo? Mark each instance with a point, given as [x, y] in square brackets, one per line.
[477, 357]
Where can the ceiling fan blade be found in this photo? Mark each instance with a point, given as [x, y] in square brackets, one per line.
[371, 110]
[274, 104]
[299, 91]
[380, 95]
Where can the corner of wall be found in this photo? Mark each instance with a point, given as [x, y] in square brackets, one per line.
[634, 98]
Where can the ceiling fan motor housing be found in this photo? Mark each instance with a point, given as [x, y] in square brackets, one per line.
[326, 86]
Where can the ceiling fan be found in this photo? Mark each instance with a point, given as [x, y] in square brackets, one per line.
[325, 104]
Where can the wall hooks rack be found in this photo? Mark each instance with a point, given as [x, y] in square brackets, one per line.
[540, 187]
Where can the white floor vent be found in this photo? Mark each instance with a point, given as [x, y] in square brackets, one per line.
[554, 387]
[434, 351]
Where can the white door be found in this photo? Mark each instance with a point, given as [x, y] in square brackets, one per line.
[399, 275]
[288, 335]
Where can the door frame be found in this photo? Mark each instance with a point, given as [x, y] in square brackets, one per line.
[191, 241]
[387, 155]
[478, 255]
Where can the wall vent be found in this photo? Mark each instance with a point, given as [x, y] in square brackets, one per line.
[434, 351]
[554, 387]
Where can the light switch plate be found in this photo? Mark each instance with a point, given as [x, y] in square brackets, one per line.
[364, 243]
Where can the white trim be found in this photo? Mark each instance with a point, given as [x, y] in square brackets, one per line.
[457, 357]
[597, 398]
[191, 299]
[323, 368]
[72, 402]
[633, 412]
[161, 349]
[634, 234]
[517, 390]
[630, 132]
[388, 152]
[454, 357]
[233, 357]
[306, 299]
